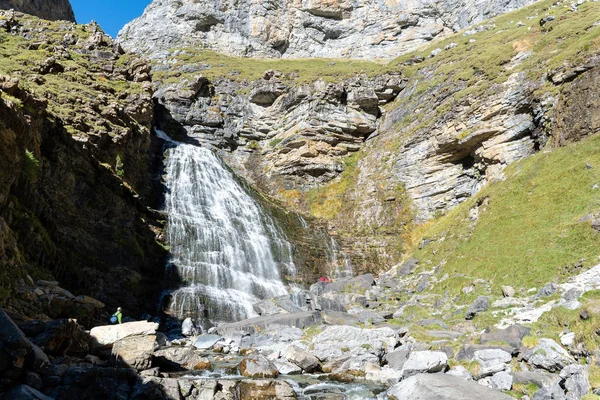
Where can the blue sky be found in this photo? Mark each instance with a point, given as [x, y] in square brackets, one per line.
[110, 14]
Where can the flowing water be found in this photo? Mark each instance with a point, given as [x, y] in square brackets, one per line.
[226, 250]
[340, 262]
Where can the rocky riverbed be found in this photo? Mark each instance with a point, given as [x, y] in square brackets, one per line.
[340, 340]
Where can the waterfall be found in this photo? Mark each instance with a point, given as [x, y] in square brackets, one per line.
[340, 262]
[227, 252]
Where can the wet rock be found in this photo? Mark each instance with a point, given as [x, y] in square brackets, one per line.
[287, 368]
[265, 389]
[481, 304]
[302, 359]
[258, 366]
[548, 355]
[442, 387]
[424, 361]
[204, 342]
[134, 351]
[107, 335]
[188, 328]
[180, 358]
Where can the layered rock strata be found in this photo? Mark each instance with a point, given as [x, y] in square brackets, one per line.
[309, 28]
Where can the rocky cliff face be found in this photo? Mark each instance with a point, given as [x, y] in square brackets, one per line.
[71, 182]
[406, 141]
[46, 9]
[303, 28]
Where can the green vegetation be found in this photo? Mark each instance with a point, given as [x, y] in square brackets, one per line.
[119, 171]
[240, 68]
[529, 225]
[31, 165]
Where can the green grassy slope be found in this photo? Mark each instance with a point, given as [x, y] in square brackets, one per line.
[530, 231]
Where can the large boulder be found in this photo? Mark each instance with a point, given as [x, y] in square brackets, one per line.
[24, 392]
[302, 359]
[513, 335]
[135, 351]
[180, 358]
[188, 328]
[548, 355]
[424, 361]
[491, 361]
[103, 336]
[204, 342]
[258, 366]
[63, 336]
[482, 303]
[442, 387]
[338, 341]
[15, 351]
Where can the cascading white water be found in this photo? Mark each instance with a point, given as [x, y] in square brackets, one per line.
[225, 249]
[340, 262]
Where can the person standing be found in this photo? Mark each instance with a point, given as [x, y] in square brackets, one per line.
[117, 317]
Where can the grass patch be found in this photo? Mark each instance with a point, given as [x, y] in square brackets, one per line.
[530, 227]
[214, 65]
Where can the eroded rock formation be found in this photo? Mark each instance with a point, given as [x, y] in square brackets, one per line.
[303, 28]
[46, 9]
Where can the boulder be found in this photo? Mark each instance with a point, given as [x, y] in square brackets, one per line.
[134, 351]
[24, 392]
[204, 342]
[513, 335]
[258, 366]
[491, 361]
[481, 304]
[299, 320]
[408, 267]
[460, 372]
[302, 359]
[467, 352]
[337, 341]
[442, 387]
[501, 380]
[188, 328]
[180, 358]
[263, 389]
[287, 368]
[508, 291]
[14, 350]
[576, 380]
[103, 336]
[63, 336]
[397, 358]
[548, 355]
[424, 361]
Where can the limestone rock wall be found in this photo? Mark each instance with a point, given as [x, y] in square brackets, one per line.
[46, 9]
[303, 28]
[74, 187]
